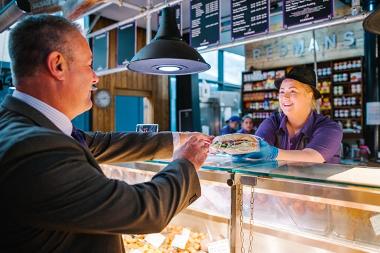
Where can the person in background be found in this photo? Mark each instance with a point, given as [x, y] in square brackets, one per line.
[232, 125]
[54, 195]
[246, 125]
[298, 132]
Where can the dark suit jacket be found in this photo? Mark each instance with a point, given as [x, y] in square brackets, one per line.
[55, 198]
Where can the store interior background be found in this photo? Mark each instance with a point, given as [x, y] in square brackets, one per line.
[344, 54]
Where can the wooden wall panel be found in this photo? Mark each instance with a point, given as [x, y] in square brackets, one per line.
[156, 106]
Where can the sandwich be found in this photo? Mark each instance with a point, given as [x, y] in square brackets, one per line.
[235, 144]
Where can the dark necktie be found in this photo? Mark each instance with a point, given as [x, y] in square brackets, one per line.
[78, 135]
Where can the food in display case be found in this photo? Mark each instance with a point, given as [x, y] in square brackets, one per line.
[140, 244]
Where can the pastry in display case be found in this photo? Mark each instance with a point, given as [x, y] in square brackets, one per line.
[166, 241]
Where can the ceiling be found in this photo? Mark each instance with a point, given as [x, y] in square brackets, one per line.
[118, 13]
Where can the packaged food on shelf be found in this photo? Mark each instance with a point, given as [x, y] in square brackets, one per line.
[324, 87]
[247, 87]
[325, 104]
[322, 72]
[356, 77]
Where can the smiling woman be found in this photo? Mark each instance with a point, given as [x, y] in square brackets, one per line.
[298, 131]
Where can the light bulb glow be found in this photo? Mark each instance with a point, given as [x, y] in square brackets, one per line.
[169, 68]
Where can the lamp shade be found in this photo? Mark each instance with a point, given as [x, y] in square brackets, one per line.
[372, 22]
[167, 53]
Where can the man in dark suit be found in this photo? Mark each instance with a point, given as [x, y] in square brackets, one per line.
[54, 196]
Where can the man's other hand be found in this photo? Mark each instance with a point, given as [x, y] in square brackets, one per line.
[195, 149]
[185, 136]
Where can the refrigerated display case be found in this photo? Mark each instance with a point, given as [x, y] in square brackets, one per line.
[281, 207]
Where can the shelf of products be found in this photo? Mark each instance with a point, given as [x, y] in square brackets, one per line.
[340, 83]
[259, 94]
[347, 95]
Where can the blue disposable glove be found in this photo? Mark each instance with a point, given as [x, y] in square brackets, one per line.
[267, 152]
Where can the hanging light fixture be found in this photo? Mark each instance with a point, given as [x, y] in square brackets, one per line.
[167, 53]
[372, 22]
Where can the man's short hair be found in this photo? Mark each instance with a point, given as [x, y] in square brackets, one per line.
[33, 38]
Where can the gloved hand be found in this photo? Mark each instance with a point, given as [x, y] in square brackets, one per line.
[267, 152]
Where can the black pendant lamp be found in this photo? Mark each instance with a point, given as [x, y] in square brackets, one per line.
[167, 53]
[372, 22]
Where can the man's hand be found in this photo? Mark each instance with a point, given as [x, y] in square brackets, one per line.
[195, 150]
[185, 136]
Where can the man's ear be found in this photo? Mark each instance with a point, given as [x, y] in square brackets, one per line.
[56, 65]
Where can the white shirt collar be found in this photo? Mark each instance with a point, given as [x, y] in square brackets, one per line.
[58, 118]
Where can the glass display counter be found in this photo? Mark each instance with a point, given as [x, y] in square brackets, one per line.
[256, 206]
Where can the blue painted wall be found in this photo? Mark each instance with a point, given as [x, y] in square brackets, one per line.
[82, 121]
[129, 111]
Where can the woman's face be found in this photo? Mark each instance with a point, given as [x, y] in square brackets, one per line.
[294, 98]
[247, 124]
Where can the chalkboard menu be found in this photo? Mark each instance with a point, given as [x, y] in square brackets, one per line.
[100, 52]
[249, 17]
[178, 17]
[205, 22]
[297, 12]
[126, 43]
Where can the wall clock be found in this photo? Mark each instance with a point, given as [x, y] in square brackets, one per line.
[102, 98]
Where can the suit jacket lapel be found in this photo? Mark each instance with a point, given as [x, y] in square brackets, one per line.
[20, 107]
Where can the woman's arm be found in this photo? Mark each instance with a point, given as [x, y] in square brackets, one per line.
[305, 155]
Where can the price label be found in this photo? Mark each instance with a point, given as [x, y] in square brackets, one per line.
[180, 241]
[375, 221]
[155, 239]
[221, 246]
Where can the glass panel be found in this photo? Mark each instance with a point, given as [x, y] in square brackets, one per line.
[233, 64]
[212, 59]
[280, 169]
[203, 222]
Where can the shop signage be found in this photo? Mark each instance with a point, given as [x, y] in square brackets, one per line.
[330, 43]
[297, 12]
[205, 23]
[249, 17]
[300, 47]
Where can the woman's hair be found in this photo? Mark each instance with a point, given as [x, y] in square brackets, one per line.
[314, 103]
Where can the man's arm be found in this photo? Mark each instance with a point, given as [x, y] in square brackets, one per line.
[113, 147]
[53, 186]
